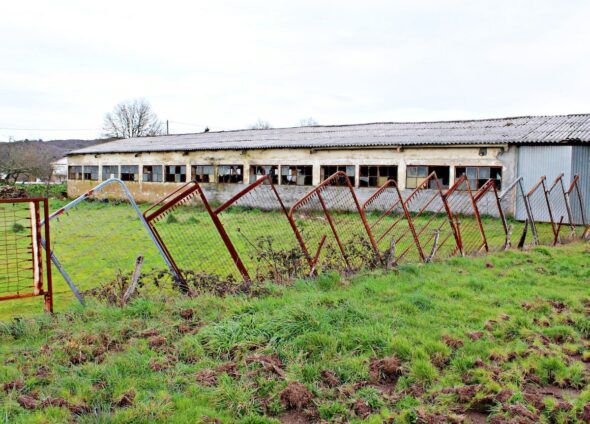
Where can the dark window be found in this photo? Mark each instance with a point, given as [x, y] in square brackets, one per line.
[479, 175]
[301, 175]
[328, 170]
[175, 173]
[416, 174]
[129, 172]
[376, 175]
[110, 171]
[75, 173]
[152, 173]
[203, 173]
[259, 171]
[91, 173]
[230, 174]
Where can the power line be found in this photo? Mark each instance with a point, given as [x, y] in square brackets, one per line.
[49, 129]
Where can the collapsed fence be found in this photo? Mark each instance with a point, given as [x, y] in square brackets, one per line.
[254, 237]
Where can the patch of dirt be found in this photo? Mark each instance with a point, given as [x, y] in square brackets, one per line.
[296, 417]
[452, 342]
[295, 396]
[27, 402]
[187, 313]
[475, 335]
[361, 408]
[156, 341]
[386, 370]
[330, 379]
[269, 363]
[476, 417]
[17, 385]
[125, 400]
[207, 377]
[12, 192]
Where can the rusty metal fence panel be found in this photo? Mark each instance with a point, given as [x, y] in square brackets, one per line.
[579, 218]
[512, 199]
[99, 235]
[492, 218]
[435, 232]
[332, 228]
[463, 211]
[542, 215]
[22, 270]
[257, 223]
[193, 238]
[391, 224]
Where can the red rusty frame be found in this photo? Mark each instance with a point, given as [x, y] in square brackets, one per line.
[424, 185]
[575, 188]
[317, 192]
[176, 198]
[490, 186]
[37, 245]
[463, 181]
[406, 214]
[541, 185]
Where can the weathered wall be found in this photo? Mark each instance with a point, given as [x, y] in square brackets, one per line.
[149, 192]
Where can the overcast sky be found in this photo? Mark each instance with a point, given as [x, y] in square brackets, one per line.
[224, 64]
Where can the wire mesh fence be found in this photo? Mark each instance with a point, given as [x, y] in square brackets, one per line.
[565, 230]
[515, 207]
[257, 223]
[391, 225]
[542, 214]
[579, 217]
[99, 236]
[193, 239]
[332, 227]
[492, 218]
[22, 269]
[434, 231]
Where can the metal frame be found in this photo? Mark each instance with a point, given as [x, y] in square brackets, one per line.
[406, 214]
[490, 186]
[81, 198]
[37, 243]
[523, 196]
[443, 209]
[541, 185]
[317, 191]
[574, 189]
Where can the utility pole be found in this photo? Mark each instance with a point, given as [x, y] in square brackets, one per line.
[167, 128]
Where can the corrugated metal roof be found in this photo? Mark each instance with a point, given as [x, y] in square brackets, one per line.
[519, 130]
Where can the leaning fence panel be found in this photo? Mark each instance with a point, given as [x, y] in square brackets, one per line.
[542, 215]
[565, 229]
[580, 219]
[435, 232]
[492, 217]
[193, 239]
[391, 225]
[332, 227]
[517, 213]
[259, 228]
[463, 209]
[24, 270]
[99, 236]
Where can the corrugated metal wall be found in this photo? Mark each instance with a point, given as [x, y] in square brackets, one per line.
[536, 161]
[581, 167]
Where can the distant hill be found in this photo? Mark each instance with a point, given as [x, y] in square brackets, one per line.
[53, 149]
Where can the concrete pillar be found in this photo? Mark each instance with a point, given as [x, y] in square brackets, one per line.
[189, 172]
[357, 175]
[246, 172]
[451, 175]
[401, 175]
[316, 174]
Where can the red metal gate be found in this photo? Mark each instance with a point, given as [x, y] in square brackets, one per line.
[22, 273]
[493, 221]
[544, 222]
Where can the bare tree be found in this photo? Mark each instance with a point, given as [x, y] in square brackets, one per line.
[24, 160]
[308, 122]
[134, 118]
[260, 125]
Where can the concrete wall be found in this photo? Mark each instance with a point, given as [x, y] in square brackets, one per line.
[503, 156]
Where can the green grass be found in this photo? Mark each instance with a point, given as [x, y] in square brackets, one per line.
[512, 321]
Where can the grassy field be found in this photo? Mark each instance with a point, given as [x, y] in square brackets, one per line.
[507, 335]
